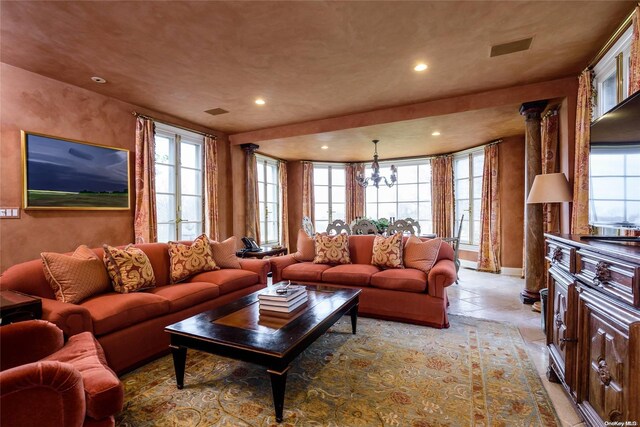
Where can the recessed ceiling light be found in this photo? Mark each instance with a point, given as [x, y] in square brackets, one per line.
[420, 67]
[260, 101]
[325, 147]
[436, 133]
[98, 80]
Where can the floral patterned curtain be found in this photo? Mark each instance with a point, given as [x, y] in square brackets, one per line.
[580, 208]
[355, 192]
[549, 137]
[252, 218]
[634, 60]
[211, 187]
[284, 203]
[308, 202]
[489, 255]
[442, 195]
[145, 221]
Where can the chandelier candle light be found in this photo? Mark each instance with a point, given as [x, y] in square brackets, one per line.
[375, 177]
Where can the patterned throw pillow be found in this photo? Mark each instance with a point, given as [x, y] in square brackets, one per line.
[306, 247]
[224, 253]
[332, 249]
[421, 255]
[76, 277]
[387, 251]
[186, 260]
[129, 269]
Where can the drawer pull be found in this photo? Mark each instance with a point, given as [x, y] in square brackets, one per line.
[568, 339]
[602, 274]
[603, 372]
[556, 257]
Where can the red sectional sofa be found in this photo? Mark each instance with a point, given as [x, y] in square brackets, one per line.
[130, 327]
[406, 295]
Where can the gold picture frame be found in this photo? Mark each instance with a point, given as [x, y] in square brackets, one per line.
[66, 174]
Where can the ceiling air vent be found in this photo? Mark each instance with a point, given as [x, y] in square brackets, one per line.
[512, 47]
[216, 111]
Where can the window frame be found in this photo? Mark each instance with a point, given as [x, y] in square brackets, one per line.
[330, 186]
[263, 163]
[421, 218]
[178, 136]
[470, 244]
[616, 61]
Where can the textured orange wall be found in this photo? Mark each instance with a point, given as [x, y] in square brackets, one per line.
[39, 104]
[511, 177]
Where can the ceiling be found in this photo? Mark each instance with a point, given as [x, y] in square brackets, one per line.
[308, 60]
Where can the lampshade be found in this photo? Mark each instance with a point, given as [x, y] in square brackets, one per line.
[549, 188]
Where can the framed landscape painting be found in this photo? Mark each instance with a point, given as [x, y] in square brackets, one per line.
[66, 174]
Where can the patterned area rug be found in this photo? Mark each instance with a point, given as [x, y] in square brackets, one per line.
[477, 372]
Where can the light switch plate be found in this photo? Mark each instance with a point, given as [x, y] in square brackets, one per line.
[9, 213]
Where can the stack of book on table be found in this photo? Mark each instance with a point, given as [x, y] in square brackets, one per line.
[282, 304]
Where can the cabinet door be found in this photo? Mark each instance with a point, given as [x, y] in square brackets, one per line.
[608, 347]
[561, 326]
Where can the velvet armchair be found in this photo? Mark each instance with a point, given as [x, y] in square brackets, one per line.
[47, 382]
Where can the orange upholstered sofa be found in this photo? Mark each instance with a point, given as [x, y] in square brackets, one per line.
[130, 327]
[406, 295]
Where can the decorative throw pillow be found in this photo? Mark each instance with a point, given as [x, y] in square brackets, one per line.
[421, 255]
[76, 277]
[387, 251]
[186, 260]
[332, 249]
[129, 269]
[306, 247]
[224, 253]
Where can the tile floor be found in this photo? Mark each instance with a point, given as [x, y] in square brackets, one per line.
[496, 297]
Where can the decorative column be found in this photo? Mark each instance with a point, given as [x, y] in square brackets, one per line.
[252, 219]
[534, 274]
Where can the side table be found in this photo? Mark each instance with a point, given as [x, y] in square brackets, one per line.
[16, 306]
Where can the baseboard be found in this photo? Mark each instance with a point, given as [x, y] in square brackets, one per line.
[507, 271]
[511, 271]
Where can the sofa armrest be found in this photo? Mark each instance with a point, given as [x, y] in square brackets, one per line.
[259, 266]
[28, 342]
[71, 318]
[441, 275]
[57, 386]
[280, 263]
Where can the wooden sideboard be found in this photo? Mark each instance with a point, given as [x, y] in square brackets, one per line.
[593, 326]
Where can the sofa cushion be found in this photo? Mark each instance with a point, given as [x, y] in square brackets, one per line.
[408, 280]
[421, 254]
[361, 248]
[304, 272]
[114, 311]
[104, 393]
[129, 269]
[351, 274]
[185, 295]
[158, 254]
[228, 280]
[187, 260]
[387, 251]
[306, 247]
[332, 249]
[224, 253]
[75, 277]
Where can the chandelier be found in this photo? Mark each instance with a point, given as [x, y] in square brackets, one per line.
[375, 177]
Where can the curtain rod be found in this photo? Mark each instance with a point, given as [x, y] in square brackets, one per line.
[614, 38]
[135, 113]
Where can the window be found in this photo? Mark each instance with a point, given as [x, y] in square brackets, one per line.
[269, 199]
[179, 183]
[329, 193]
[467, 174]
[409, 198]
[611, 75]
[614, 185]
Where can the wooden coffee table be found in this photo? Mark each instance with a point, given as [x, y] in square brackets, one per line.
[238, 331]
